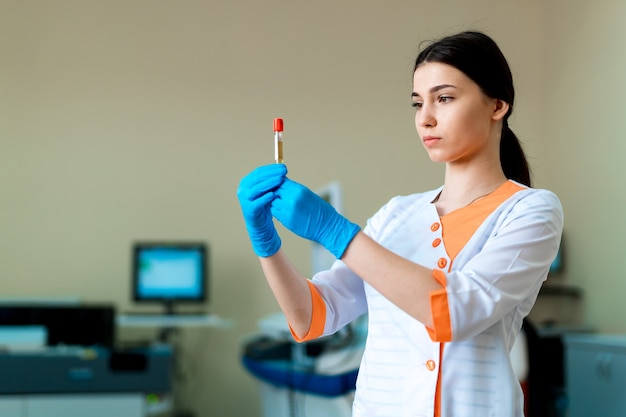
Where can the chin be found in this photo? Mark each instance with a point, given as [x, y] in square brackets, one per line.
[437, 157]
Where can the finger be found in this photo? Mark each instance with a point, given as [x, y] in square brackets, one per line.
[288, 188]
[271, 170]
[263, 200]
[286, 198]
[262, 180]
[256, 192]
[254, 209]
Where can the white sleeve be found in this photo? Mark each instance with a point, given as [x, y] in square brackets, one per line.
[504, 264]
[343, 294]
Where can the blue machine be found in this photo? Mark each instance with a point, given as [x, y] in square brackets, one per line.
[57, 370]
[315, 378]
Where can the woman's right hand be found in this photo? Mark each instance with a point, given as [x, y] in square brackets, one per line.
[255, 193]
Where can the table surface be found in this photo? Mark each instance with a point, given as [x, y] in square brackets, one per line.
[176, 320]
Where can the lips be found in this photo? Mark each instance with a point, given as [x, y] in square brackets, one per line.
[430, 140]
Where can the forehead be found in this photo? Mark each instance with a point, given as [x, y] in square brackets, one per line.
[433, 74]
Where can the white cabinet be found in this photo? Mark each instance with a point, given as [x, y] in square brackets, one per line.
[11, 406]
[91, 405]
[596, 375]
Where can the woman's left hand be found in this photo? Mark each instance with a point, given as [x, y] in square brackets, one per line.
[308, 215]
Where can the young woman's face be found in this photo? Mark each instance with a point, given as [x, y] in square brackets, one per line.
[456, 121]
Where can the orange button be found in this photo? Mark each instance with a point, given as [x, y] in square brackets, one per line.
[436, 242]
[430, 365]
[442, 262]
[434, 227]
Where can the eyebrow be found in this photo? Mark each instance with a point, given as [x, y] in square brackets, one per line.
[435, 89]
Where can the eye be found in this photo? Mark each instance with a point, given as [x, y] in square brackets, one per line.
[445, 99]
[417, 104]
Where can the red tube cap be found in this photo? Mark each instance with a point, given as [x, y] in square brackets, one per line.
[278, 125]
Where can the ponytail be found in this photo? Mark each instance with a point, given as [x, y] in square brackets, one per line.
[512, 157]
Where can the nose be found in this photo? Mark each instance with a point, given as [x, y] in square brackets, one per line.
[424, 117]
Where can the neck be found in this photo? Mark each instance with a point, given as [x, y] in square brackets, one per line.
[464, 185]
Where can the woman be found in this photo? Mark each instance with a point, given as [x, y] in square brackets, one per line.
[447, 275]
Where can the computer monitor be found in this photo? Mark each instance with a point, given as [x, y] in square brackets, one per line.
[170, 273]
[556, 266]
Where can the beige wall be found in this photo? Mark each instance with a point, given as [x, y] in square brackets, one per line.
[586, 63]
[124, 120]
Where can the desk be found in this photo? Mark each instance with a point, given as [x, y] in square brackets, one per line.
[174, 320]
[170, 322]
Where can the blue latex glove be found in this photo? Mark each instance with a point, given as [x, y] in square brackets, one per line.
[256, 192]
[311, 217]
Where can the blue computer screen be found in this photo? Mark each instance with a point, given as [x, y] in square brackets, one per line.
[557, 264]
[170, 272]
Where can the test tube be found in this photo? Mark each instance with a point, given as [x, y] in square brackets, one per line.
[278, 140]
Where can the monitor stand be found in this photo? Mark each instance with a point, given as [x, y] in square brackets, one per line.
[169, 308]
[166, 331]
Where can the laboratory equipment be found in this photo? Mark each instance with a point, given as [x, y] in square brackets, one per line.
[278, 140]
[79, 369]
[78, 324]
[313, 379]
[97, 381]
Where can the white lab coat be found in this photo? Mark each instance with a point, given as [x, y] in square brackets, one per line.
[490, 286]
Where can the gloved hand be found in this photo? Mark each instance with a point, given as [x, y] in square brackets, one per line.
[309, 216]
[256, 192]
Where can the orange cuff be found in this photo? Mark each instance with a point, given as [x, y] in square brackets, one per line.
[442, 326]
[318, 317]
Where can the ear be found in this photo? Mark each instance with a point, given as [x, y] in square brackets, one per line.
[500, 110]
